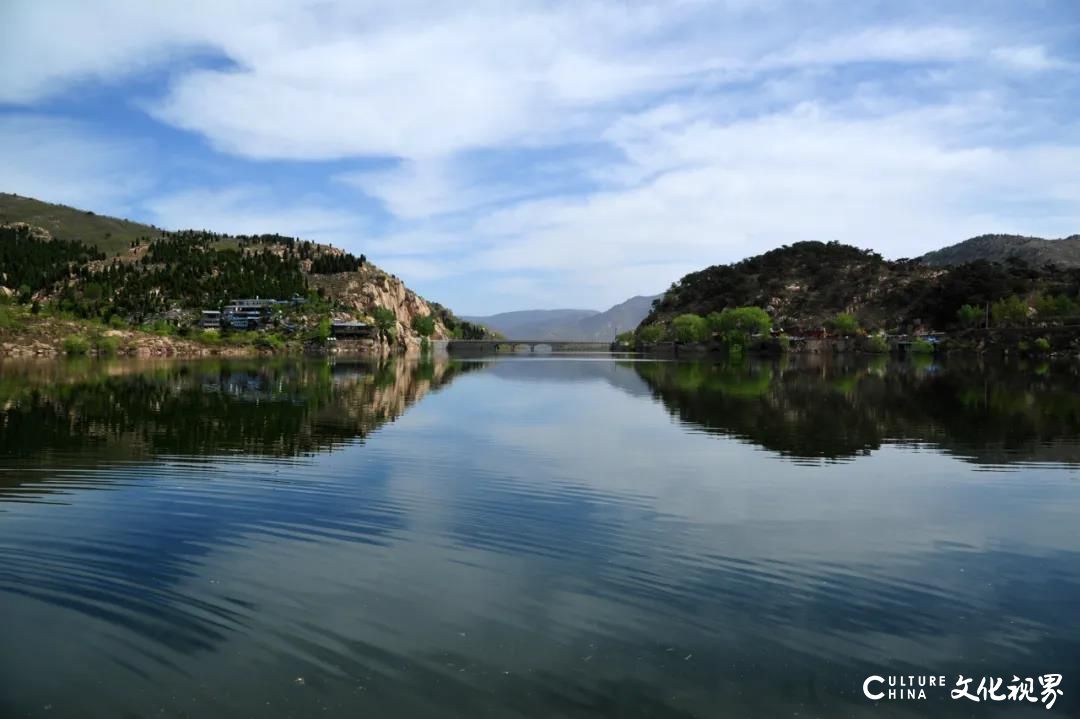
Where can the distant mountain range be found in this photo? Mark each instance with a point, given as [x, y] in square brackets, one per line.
[582, 325]
[998, 248]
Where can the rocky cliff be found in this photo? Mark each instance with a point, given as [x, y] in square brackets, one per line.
[160, 281]
[360, 293]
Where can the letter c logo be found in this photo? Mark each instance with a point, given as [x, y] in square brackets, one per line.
[866, 687]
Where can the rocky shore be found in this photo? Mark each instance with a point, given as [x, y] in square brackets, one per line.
[47, 337]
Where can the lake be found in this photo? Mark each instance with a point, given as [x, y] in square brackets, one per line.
[535, 536]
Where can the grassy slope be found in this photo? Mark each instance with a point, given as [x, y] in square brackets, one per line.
[109, 234]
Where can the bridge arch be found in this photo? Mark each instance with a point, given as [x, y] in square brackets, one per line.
[525, 346]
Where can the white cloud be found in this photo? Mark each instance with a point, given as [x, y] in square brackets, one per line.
[252, 210]
[1028, 58]
[420, 188]
[698, 192]
[327, 80]
[575, 150]
[880, 44]
[62, 161]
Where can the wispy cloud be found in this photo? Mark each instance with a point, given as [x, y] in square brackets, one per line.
[500, 153]
[63, 161]
[250, 209]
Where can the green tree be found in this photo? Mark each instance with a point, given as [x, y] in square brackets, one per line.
[969, 316]
[385, 321]
[744, 320]
[845, 324]
[650, 334]
[1054, 306]
[424, 326]
[690, 328]
[922, 347]
[1009, 311]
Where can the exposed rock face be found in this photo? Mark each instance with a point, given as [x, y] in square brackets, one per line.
[35, 232]
[355, 296]
[369, 288]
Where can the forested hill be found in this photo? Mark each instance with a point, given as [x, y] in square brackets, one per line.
[807, 285]
[71, 263]
[998, 248]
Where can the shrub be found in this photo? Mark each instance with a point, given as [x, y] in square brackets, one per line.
[9, 319]
[159, 327]
[650, 334]
[922, 347]
[117, 322]
[319, 334]
[239, 337]
[75, 345]
[690, 328]
[106, 346]
[969, 316]
[1042, 344]
[877, 344]
[424, 326]
[845, 324]
[207, 337]
[385, 321]
[269, 342]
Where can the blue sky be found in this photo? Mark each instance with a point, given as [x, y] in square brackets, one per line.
[512, 155]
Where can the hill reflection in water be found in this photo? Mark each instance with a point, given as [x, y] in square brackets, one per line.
[128, 410]
[803, 407]
[529, 536]
[808, 407]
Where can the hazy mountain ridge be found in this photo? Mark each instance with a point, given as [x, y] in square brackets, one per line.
[581, 325]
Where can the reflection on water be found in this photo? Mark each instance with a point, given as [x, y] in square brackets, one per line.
[839, 408]
[532, 537]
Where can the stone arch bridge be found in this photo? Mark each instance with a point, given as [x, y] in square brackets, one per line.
[509, 346]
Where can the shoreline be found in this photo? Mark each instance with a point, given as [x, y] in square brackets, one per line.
[1057, 342]
[58, 339]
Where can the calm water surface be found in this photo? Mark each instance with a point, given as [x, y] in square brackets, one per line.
[533, 536]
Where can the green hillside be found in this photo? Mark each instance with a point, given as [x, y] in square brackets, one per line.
[108, 234]
[808, 285]
[63, 265]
